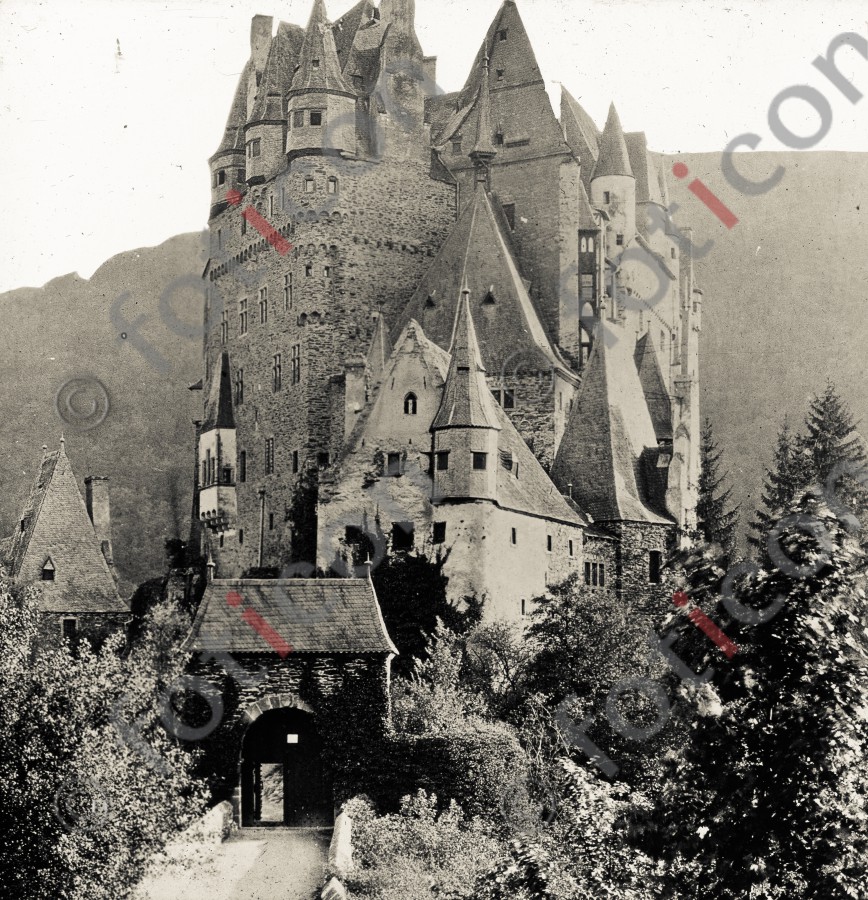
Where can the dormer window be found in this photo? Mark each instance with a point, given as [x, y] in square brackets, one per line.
[489, 297]
[314, 63]
[48, 570]
[501, 35]
[430, 302]
[498, 139]
[410, 404]
[500, 74]
[456, 147]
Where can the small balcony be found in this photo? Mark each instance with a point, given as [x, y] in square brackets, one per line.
[218, 506]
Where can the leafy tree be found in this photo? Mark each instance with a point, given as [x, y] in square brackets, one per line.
[82, 804]
[411, 589]
[716, 520]
[767, 798]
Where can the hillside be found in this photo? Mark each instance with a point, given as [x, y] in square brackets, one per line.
[785, 294]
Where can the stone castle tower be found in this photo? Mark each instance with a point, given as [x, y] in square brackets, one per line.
[370, 238]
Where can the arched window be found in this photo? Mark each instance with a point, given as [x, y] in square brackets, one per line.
[590, 245]
[584, 247]
[410, 405]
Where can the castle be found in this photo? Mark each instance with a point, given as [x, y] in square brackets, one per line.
[440, 322]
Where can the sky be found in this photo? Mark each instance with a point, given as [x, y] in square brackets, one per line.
[109, 109]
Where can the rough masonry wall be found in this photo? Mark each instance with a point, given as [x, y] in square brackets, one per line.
[356, 251]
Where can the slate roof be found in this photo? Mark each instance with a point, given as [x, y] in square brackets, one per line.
[587, 221]
[607, 434]
[654, 388]
[319, 44]
[381, 348]
[484, 145]
[581, 133]
[613, 158]
[645, 168]
[306, 615]
[218, 409]
[277, 75]
[233, 135]
[466, 400]
[504, 316]
[56, 526]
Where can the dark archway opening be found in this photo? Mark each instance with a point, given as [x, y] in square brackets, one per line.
[283, 778]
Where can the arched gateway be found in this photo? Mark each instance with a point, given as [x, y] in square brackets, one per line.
[295, 660]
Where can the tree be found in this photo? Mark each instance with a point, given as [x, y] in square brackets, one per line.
[767, 798]
[716, 520]
[782, 481]
[830, 435]
[82, 807]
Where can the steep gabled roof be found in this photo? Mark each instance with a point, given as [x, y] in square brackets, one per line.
[466, 401]
[580, 131]
[654, 388]
[54, 524]
[319, 68]
[277, 76]
[613, 158]
[347, 26]
[233, 135]
[644, 167]
[586, 212]
[504, 315]
[520, 106]
[218, 409]
[290, 615]
[607, 434]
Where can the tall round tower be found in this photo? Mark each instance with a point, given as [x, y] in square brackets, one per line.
[613, 186]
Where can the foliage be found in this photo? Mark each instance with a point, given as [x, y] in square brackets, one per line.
[81, 809]
[716, 521]
[411, 589]
[767, 799]
[496, 667]
[420, 853]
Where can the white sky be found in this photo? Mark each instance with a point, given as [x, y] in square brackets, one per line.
[102, 153]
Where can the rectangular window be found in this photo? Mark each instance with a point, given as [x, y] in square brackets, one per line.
[402, 536]
[442, 460]
[276, 375]
[242, 466]
[514, 536]
[594, 573]
[269, 456]
[497, 396]
[332, 185]
[499, 74]
[298, 118]
[243, 226]
[523, 606]
[607, 196]
[327, 271]
[480, 460]
[393, 465]
[570, 548]
[316, 117]
[438, 532]
[602, 575]
[224, 326]
[619, 240]
[549, 543]
[69, 628]
[219, 238]
[587, 573]
[508, 399]
[456, 148]
[239, 387]
[287, 292]
[242, 316]
[296, 363]
[263, 305]
[322, 459]
[271, 521]
[655, 565]
[255, 147]
[501, 35]
[308, 270]
[295, 462]
[271, 206]
[309, 185]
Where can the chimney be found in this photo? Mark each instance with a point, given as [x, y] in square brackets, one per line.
[260, 40]
[97, 502]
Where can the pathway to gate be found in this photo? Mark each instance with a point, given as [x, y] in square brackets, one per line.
[253, 864]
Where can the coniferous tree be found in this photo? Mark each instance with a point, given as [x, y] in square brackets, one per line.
[782, 482]
[716, 520]
[768, 797]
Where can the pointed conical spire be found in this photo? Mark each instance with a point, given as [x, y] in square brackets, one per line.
[319, 68]
[613, 158]
[483, 150]
[467, 401]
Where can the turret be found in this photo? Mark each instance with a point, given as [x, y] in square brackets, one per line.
[227, 164]
[265, 132]
[466, 427]
[322, 106]
[613, 186]
[217, 455]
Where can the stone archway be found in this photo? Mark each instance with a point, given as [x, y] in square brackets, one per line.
[282, 777]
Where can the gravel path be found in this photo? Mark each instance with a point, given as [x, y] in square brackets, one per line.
[253, 864]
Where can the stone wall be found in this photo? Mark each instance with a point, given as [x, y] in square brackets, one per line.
[94, 627]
